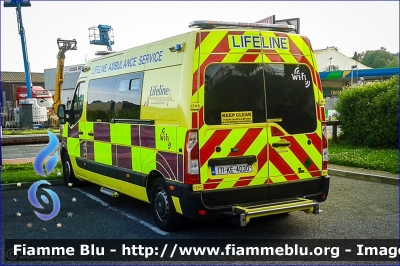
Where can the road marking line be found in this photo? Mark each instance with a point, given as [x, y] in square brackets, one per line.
[140, 221]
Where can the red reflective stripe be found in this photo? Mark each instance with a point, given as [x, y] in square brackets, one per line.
[243, 181]
[275, 58]
[294, 50]
[316, 141]
[201, 117]
[208, 148]
[318, 112]
[248, 58]
[323, 114]
[212, 183]
[246, 141]
[222, 46]
[262, 157]
[318, 80]
[281, 164]
[291, 177]
[195, 81]
[194, 119]
[300, 153]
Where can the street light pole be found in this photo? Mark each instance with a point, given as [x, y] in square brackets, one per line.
[352, 69]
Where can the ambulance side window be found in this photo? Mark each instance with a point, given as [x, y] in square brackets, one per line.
[116, 97]
[77, 103]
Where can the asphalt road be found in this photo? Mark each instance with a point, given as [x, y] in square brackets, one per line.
[354, 209]
[21, 151]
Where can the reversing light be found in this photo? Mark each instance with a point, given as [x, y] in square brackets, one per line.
[191, 156]
[325, 153]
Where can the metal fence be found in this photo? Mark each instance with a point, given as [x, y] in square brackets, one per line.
[10, 119]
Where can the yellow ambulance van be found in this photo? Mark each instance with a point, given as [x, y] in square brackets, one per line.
[226, 120]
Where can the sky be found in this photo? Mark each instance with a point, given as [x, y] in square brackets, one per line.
[351, 26]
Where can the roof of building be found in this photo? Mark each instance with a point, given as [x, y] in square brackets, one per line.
[17, 77]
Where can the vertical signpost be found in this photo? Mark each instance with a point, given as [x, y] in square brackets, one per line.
[292, 21]
[268, 20]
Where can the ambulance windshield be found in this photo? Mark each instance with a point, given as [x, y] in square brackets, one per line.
[253, 93]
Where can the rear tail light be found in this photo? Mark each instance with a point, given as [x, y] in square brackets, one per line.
[325, 154]
[192, 170]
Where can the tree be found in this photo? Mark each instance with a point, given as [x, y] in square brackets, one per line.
[358, 56]
[379, 59]
[394, 62]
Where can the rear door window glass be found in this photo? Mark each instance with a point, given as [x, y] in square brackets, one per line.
[282, 93]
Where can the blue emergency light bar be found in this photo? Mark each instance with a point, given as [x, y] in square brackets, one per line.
[13, 3]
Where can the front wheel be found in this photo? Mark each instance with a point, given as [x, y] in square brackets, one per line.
[68, 173]
[163, 209]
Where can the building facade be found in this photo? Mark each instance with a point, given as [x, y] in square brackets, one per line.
[11, 80]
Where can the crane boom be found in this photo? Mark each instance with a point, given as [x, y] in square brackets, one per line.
[63, 46]
[18, 4]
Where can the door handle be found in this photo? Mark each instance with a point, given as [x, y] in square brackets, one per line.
[80, 132]
[90, 133]
[280, 144]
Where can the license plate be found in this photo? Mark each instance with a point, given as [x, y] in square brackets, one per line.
[231, 169]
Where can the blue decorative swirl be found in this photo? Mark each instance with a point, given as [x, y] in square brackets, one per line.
[33, 200]
[42, 155]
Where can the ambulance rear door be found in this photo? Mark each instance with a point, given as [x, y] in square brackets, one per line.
[232, 123]
[259, 115]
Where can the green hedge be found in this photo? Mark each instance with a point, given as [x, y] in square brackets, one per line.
[369, 114]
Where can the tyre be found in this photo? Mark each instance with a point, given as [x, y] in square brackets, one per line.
[68, 173]
[165, 215]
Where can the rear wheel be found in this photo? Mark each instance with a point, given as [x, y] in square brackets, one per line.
[163, 209]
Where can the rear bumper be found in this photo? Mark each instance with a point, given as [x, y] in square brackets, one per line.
[222, 203]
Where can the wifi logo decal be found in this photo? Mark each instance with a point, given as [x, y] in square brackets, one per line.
[38, 167]
[297, 75]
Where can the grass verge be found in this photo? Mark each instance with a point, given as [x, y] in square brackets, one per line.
[20, 173]
[362, 157]
[340, 154]
[30, 132]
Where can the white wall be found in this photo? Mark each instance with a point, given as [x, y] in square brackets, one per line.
[71, 75]
[338, 59]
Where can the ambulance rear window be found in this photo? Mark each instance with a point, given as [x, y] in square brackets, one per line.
[254, 93]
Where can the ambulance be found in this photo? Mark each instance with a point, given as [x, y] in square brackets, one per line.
[224, 121]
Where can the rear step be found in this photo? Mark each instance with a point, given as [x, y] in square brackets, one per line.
[248, 211]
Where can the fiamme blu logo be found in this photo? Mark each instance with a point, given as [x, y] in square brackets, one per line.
[49, 167]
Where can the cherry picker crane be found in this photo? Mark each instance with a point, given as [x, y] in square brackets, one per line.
[63, 47]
